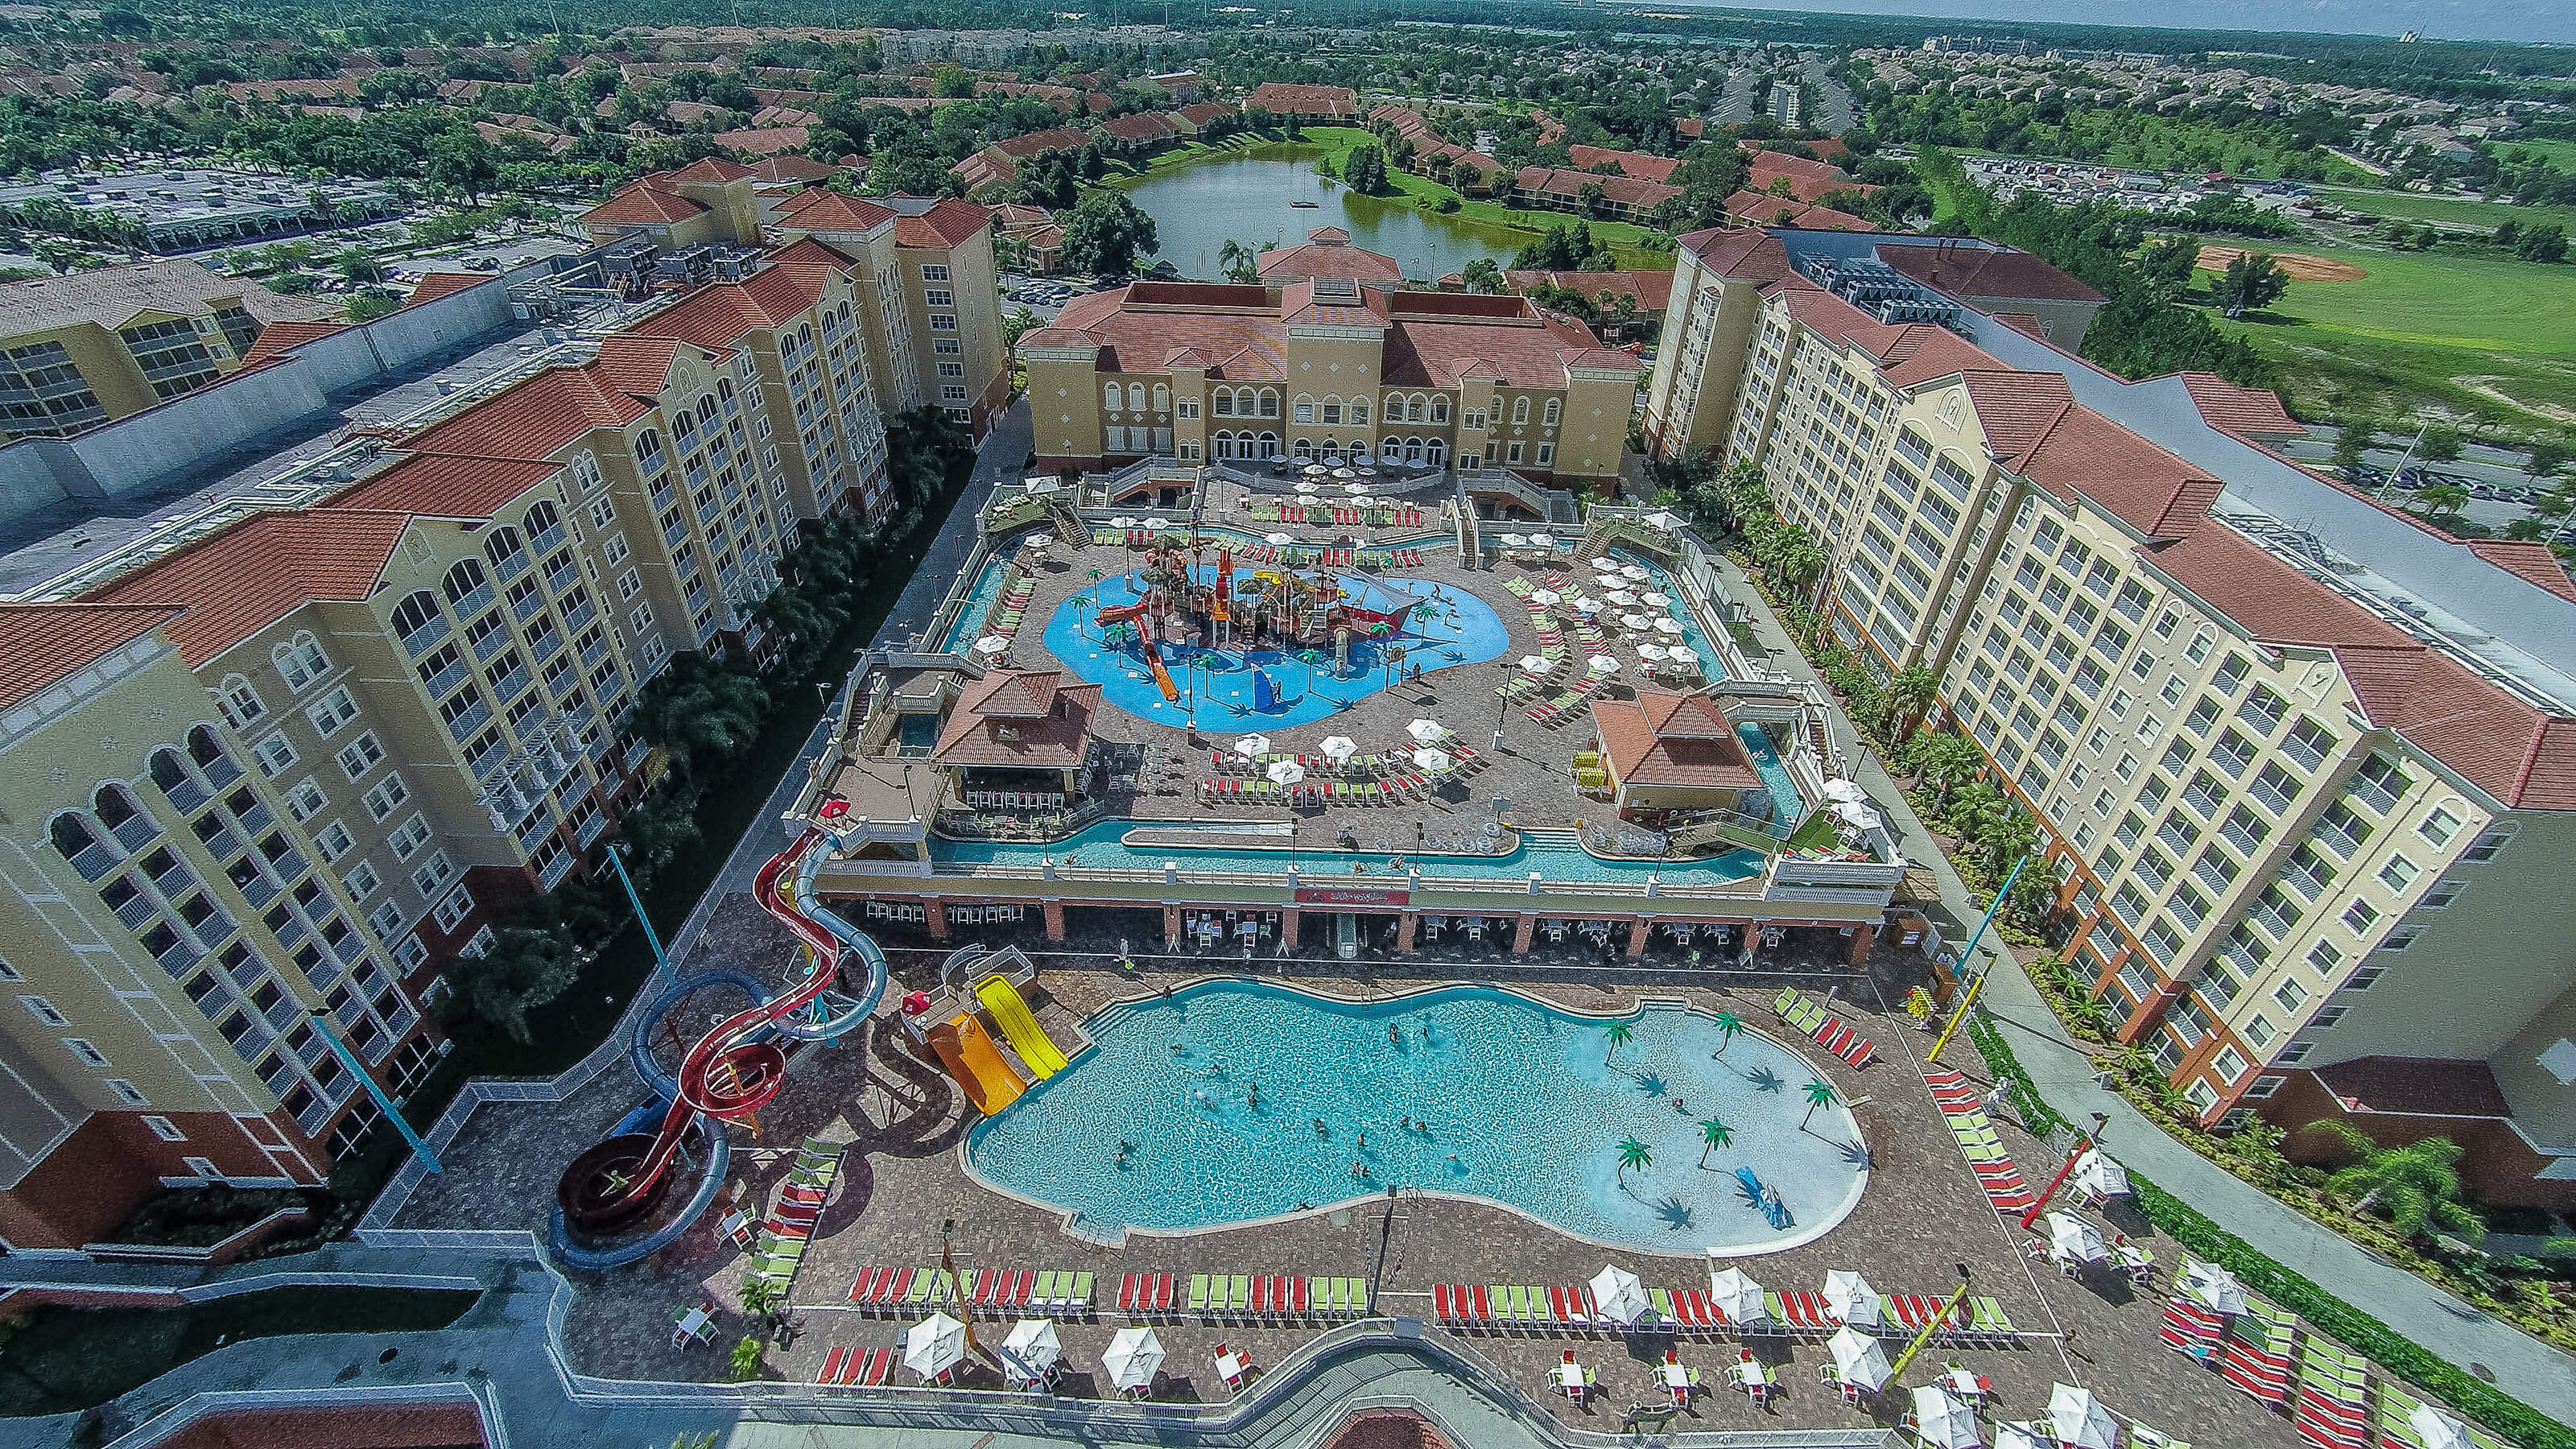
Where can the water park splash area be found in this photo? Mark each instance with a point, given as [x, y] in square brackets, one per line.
[1232, 1102]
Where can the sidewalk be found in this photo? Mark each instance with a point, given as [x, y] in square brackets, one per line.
[2515, 1362]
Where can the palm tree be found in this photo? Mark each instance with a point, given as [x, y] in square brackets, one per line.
[1713, 1134]
[760, 1294]
[2417, 1184]
[1907, 698]
[1633, 1153]
[1819, 1093]
[1729, 1027]
[1618, 1032]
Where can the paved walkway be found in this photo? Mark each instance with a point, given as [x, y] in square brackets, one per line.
[2515, 1362]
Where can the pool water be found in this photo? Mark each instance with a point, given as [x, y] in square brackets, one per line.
[1554, 854]
[1466, 630]
[1517, 1105]
[979, 603]
[1786, 805]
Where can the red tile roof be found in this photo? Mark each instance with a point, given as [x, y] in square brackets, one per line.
[2233, 409]
[1650, 289]
[1664, 738]
[1808, 180]
[236, 582]
[785, 168]
[1630, 163]
[2082, 452]
[1141, 126]
[2415, 1087]
[1282, 98]
[1975, 272]
[1764, 209]
[276, 337]
[2532, 562]
[947, 223]
[537, 417]
[445, 487]
[763, 140]
[1740, 252]
[716, 317]
[1011, 719]
[41, 645]
[434, 285]
[1203, 112]
[643, 203]
[1327, 256]
[1625, 190]
[707, 168]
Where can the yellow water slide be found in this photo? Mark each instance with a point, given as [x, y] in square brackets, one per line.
[1037, 1050]
[970, 1056]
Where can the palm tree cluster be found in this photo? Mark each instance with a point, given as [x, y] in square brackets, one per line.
[1955, 792]
[2416, 1184]
[1736, 503]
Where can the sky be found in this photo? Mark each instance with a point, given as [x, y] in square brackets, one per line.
[2553, 20]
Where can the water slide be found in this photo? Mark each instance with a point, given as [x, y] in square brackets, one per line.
[970, 1056]
[1037, 1050]
[735, 1069]
[1162, 676]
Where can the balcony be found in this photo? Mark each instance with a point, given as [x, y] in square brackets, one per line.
[312, 1118]
[291, 932]
[2175, 838]
[664, 496]
[483, 762]
[674, 531]
[511, 685]
[350, 1012]
[548, 540]
[2268, 795]
[636, 752]
[94, 860]
[535, 828]
[2213, 873]
[178, 956]
[473, 601]
[185, 793]
[223, 843]
[213, 929]
[528, 605]
[281, 1011]
[349, 948]
[2303, 751]
[464, 725]
[137, 911]
[509, 566]
[2203, 800]
[315, 1048]
[563, 579]
[377, 1050]
[401, 1020]
[2375, 797]
[492, 641]
[2333, 837]
[2246, 841]
[253, 1041]
[2232, 764]
[257, 818]
[594, 651]
[174, 881]
[259, 890]
[592, 826]
[418, 641]
[444, 682]
[2274, 922]
[580, 614]
[219, 771]
[137, 831]
[544, 647]
[289, 864]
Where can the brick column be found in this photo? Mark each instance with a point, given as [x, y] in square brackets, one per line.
[1054, 920]
[1522, 933]
[1405, 937]
[1288, 927]
[1861, 942]
[934, 914]
[2151, 1011]
[1171, 926]
[1638, 930]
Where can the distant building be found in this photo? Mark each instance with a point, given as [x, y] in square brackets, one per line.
[1550, 188]
[194, 206]
[1303, 102]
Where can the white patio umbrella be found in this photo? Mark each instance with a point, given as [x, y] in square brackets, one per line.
[1544, 598]
[1604, 664]
[1251, 745]
[1316, 470]
[1849, 1297]
[1738, 1296]
[992, 644]
[1278, 460]
[2099, 1175]
[1424, 731]
[1339, 748]
[1662, 520]
[1656, 601]
[1621, 597]
[934, 1345]
[1286, 772]
[2010, 1435]
[1638, 572]
[1307, 488]
[1669, 625]
[1944, 1422]
[1616, 1292]
[1122, 523]
[1542, 540]
[1653, 653]
[1276, 539]
[1132, 1359]
[1860, 1358]
[1032, 1348]
[1536, 664]
[1858, 817]
[2213, 1286]
[1636, 623]
[1515, 540]
[1684, 654]
[1586, 604]
[1432, 761]
[2437, 1429]
[1157, 525]
[2071, 1237]
[1605, 565]
[2078, 1419]
[1344, 474]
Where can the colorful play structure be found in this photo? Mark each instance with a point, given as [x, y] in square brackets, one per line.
[611, 1202]
[1273, 608]
[967, 1050]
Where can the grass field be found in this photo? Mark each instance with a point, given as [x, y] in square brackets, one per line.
[2416, 206]
[2473, 334]
[2560, 154]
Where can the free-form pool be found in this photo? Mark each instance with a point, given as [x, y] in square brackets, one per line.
[1218, 1093]
[1457, 628]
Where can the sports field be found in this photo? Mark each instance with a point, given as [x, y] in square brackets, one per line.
[2456, 210]
[2487, 335]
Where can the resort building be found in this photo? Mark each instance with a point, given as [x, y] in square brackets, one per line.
[1327, 252]
[1326, 367]
[928, 315]
[1298, 102]
[1624, 198]
[280, 760]
[80, 350]
[2299, 762]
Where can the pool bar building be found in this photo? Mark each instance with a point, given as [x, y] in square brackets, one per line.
[1230, 714]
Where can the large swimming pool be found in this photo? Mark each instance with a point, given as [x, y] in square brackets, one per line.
[1239, 1100]
[1459, 629]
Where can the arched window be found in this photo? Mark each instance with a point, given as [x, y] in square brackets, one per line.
[1135, 397]
[1221, 445]
[113, 806]
[300, 661]
[71, 834]
[241, 703]
[464, 579]
[1359, 409]
[1413, 450]
[503, 546]
[1547, 416]
[1221, 402]
[203, 747]
[1109, 397]
[1302, 451]
[1162, 398]
[1269, 403]
[585, 471]
[167, 772]
[648, 450]
[1520, 409]
[707, 410]
[1435, 451]
[538, 519]
[684, 426]
[416, 612]
[1268, 445]
[1440, 410]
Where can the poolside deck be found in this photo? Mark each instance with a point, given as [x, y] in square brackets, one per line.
[1922, 1216]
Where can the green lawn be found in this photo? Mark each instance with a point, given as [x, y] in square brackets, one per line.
[2416, 206]
[66, 1359]
[2560, 154]
[2481, 334]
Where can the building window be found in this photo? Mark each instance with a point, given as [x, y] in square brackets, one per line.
[361, 755]
[300, 662]
[453, 910]
[128, 1093]
[939, 297]
[934, 271]
[943, 322]
[88, 1054]
[43, 1009]
[2265, 1086]
[1548, 415]
[1546, 455]
[165, 1129]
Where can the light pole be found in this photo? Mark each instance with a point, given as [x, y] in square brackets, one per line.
[321, 1023]
[617, 863]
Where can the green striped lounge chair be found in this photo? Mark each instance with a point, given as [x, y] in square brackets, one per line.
[1198, 1302]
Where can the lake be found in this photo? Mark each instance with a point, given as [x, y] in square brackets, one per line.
[1247, 197]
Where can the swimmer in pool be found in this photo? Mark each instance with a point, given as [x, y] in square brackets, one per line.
[1394, 1034]
[1252, 1098]
[1321, 1130]
[1363, 1141]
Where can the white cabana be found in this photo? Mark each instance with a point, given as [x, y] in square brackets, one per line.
[1276, 539]
[2437, 1429]
[2099, 1175]
[1307, 488]
[1586, 604]
[1860, 1358]
[1849, 1297]
[2070, 1237]
[1286, 772]
[1738, 1297]
[1618, 1294]
[934, 1345]
[1424, 731]
[1542, 540]
[1339, 748]
[1621, 597]
[1251, 746]
[1662, 521]
[1122, 523]
[1432, 761]
[1637, 623]
[991, 644]
[1684, 655]
[1845, 792]
[1653, 654]
[1316, 470]
[1032, 1349]
[1943, 1421]
[1639, 572]
[2211, 1286]
[1515, 540]
[2078, 1419]
[1134, 1356]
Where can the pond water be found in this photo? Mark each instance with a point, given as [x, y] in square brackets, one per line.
[1248, 197]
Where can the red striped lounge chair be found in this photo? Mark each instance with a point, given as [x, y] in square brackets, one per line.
[860, 1285]
[1440, 1304]
[1301, 1296]
[1130, 1291]
[1806, 1312]
[983, 1291]
[880, 1364]
[1482, 1307]
[830, 1372]
[1858, 1052]
[1557, 1304]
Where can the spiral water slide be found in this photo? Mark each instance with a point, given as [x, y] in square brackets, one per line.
[734, 1070]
